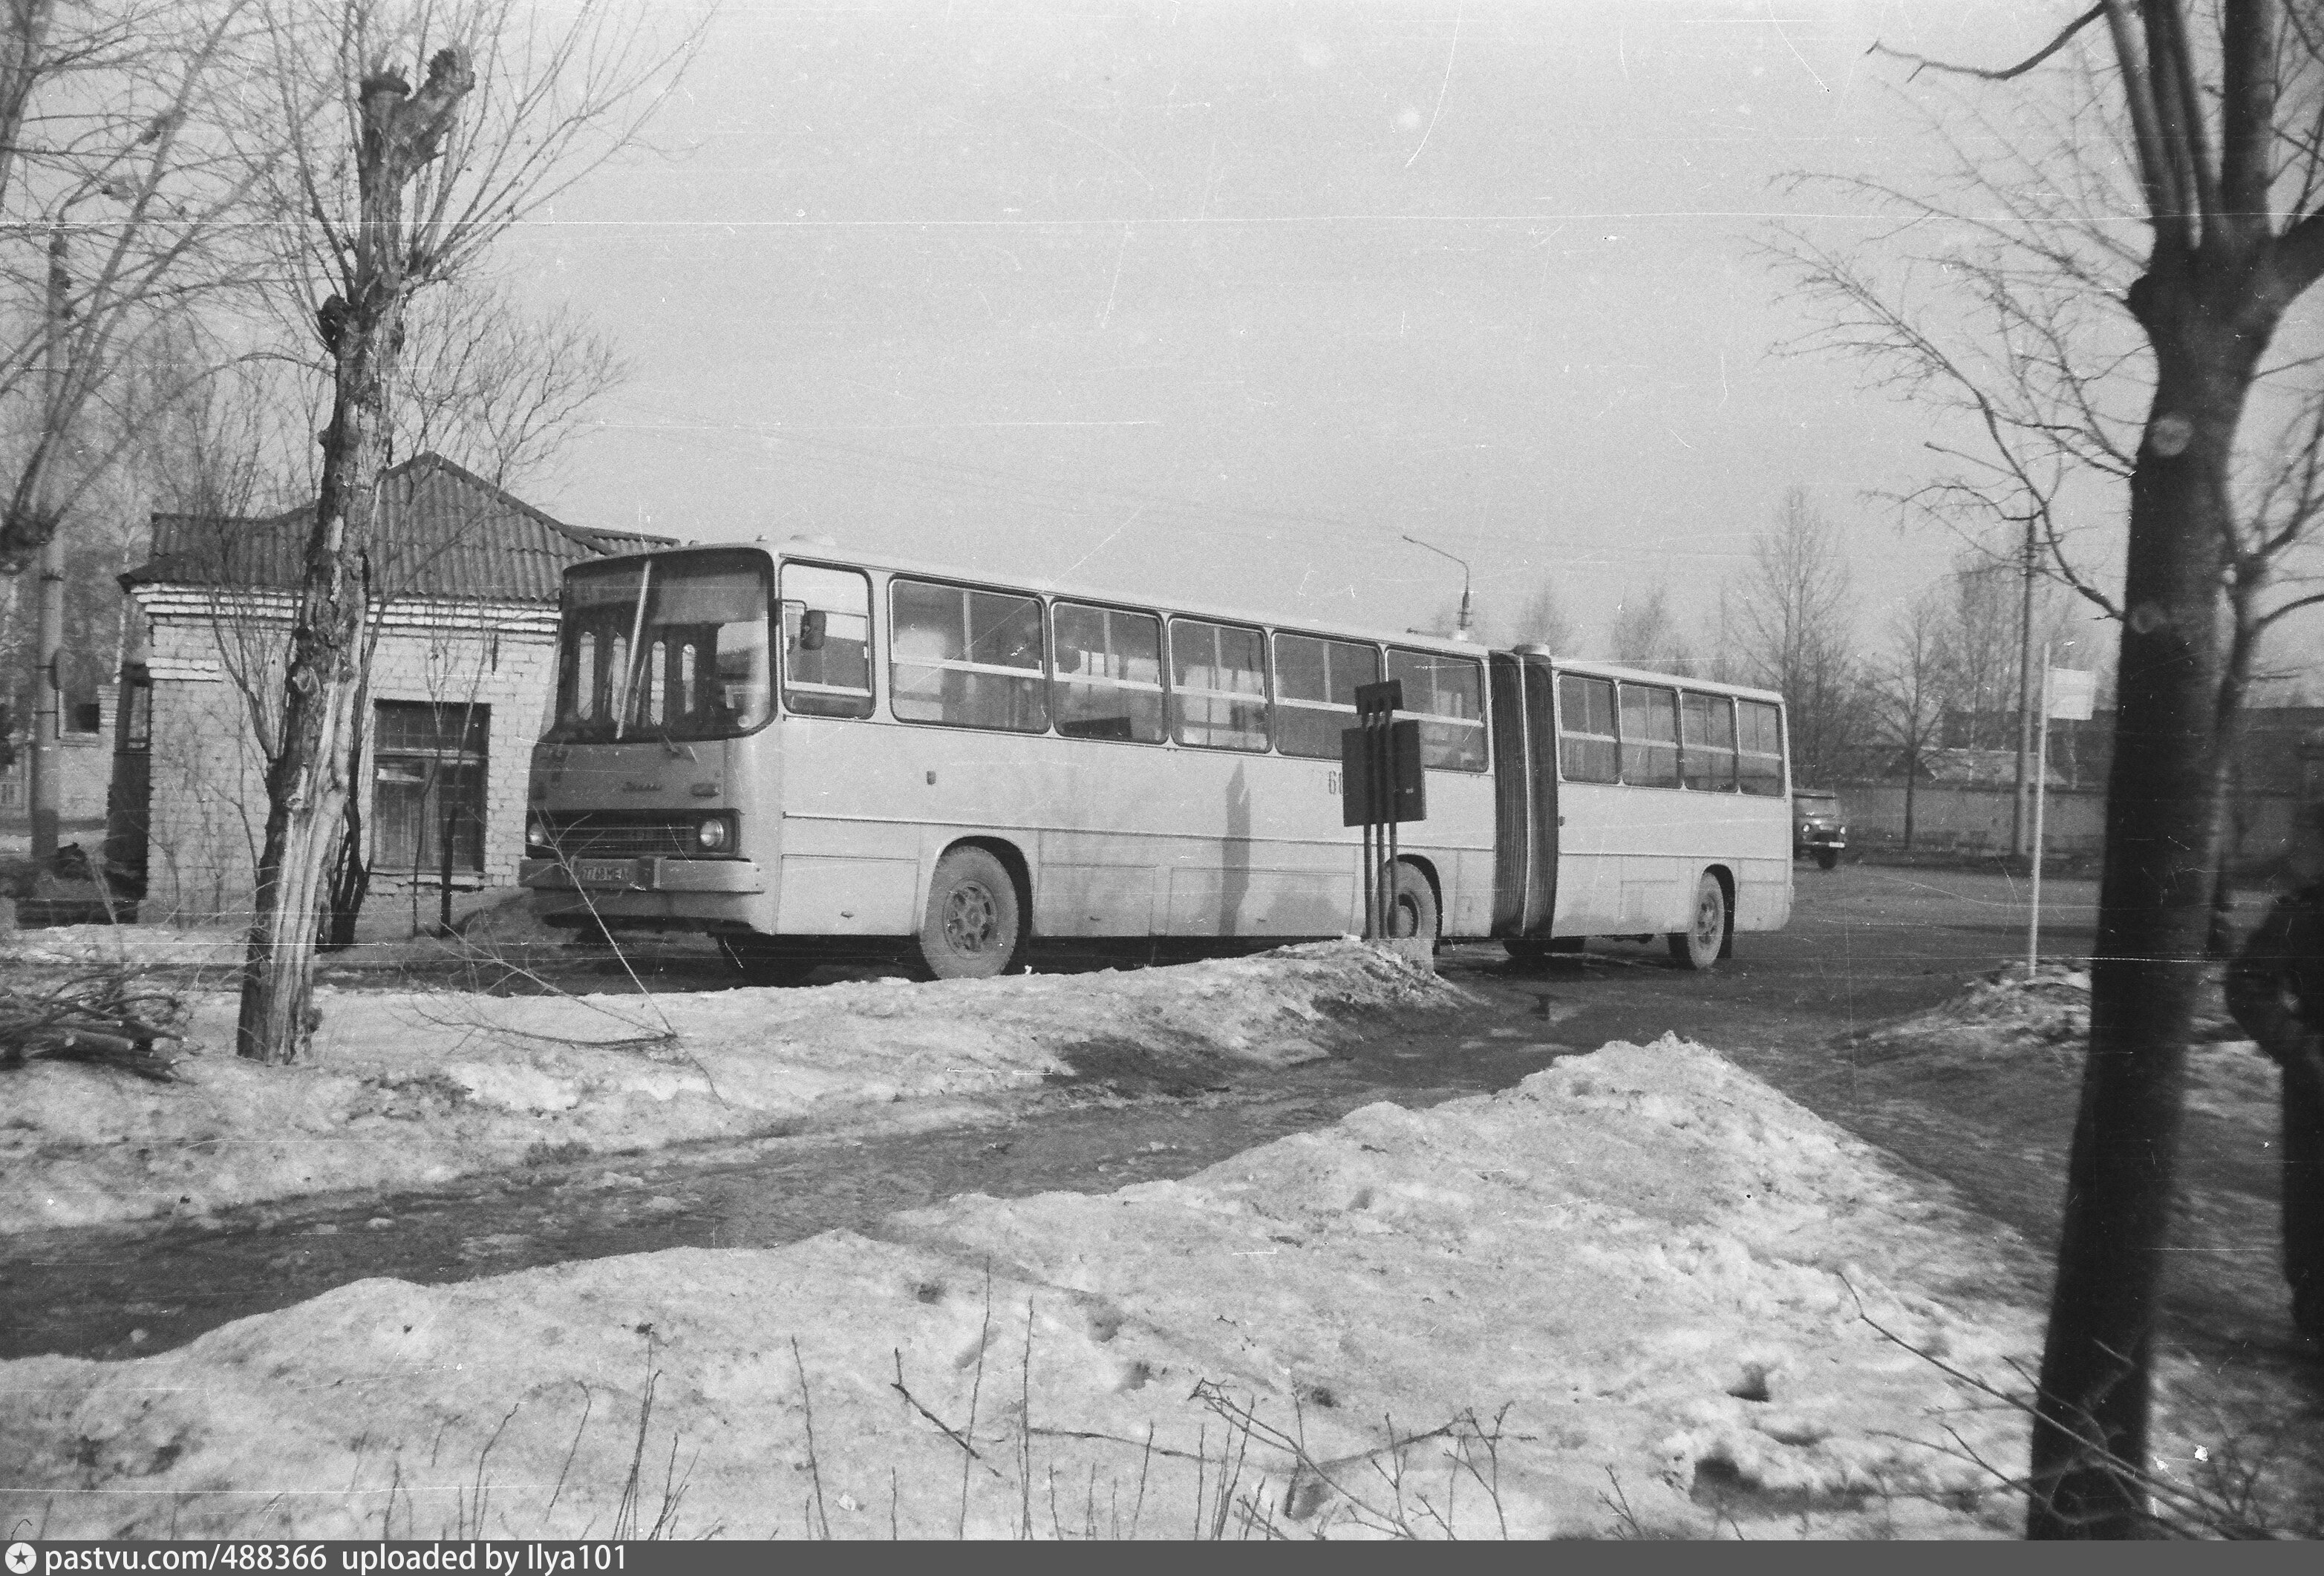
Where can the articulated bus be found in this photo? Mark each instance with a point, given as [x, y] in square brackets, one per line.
[807, 756]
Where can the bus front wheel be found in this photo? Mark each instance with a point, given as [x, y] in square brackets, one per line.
[973, 925]
[1698, 946]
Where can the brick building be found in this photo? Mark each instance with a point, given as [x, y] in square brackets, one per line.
[464, 584]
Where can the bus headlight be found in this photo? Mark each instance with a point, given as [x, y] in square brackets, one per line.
[538, 842]
[715, 834]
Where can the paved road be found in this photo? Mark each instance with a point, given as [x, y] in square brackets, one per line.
[1866, 944]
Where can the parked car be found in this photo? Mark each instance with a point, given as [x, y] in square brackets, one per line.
[1817, 826]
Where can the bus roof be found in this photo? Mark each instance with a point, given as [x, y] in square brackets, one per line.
[827, 553]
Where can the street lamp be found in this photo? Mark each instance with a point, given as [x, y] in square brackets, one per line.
[1461, 629]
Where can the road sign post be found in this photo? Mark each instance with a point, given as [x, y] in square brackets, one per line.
[1381, 785]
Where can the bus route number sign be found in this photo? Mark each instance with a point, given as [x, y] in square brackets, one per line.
[1361, 801]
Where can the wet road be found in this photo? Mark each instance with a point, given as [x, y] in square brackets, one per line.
[1866, 944]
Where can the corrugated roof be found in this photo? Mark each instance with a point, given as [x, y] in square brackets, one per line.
[441, 531]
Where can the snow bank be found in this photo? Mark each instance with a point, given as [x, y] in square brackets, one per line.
[408, 1088]
[2003, 1018]
[1626, 1297]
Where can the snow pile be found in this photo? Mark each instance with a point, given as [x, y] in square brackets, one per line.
[2004, 1018]
[408, 1088]
[216, 948]
[1628, 1296]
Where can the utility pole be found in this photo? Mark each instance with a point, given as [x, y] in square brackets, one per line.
[2017, 819]
[47, 708]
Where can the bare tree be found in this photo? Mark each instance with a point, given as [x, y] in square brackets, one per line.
[1789, 617]
[2096, 358]
[1910, 686]
[1645, 635]
[412, 193]
[1542, 621]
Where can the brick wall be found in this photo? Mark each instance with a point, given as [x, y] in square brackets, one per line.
[208, 812]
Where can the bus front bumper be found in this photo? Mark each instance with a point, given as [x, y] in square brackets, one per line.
[651, 874]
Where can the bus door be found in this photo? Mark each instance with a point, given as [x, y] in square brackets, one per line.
[1524, 795]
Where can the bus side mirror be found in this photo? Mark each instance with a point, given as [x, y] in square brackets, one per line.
[812, 624]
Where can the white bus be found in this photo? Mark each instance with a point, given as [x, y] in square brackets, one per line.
[807, 755]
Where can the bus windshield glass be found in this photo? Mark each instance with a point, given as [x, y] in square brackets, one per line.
[665, 648]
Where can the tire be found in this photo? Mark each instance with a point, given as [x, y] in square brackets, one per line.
[973, 926]
[1699, 946]
[761, 964]
[1412, 904]
[1827, 858]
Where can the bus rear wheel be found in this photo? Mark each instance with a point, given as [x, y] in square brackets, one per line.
[1698, 946]
[1412, 904]
[973, 925]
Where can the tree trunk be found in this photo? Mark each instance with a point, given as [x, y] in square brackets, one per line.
[1912, 780]
[308, 780]
[2161, 848]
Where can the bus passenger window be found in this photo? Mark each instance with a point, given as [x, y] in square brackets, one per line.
[827, 641]
[1218, 686]
[1315, 692]
[1649, 736]
[1707, 742]
[1761, 728]
[966, 659]
[1447, 694]
[1586, 751]
[1109, 674]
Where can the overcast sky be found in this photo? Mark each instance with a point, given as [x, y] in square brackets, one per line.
[1221, 301]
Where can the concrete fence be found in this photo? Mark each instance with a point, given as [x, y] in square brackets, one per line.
[1976, 821]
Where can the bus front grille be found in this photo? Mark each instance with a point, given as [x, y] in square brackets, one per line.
[624, 834]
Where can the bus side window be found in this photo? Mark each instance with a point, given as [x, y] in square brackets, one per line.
[1218, 686]
[827, 641]
[1109, 673]
[1586, 747]
[1447, 694]
[966, 659]
[1315, 692]
[1761, 755]
[1707, 742]
[1649, 736]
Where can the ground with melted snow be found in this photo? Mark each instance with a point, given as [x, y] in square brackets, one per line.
[408, 1088]
[1636, 1294]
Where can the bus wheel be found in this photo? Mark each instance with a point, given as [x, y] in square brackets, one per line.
[764, 966]
[972, 927]
[1698, 946]
[1414, 907]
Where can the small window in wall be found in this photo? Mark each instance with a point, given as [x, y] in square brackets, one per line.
[1586, 745]
[1707, 742]
[1760, 753]
[1649, 736]
[967, 658]
[1315, 692]
[827, 641]
[1218, 686]
[84, 716]
[428, 764]
[1447, 694]
[136, 720]
[1109, 674]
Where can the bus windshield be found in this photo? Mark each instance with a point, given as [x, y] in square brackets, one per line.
[668, 648]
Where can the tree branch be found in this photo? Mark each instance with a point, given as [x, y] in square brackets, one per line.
[1923, 63]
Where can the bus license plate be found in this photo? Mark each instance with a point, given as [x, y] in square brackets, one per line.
[606, 872]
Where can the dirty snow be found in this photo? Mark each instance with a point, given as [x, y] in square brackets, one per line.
[408, 1088]
[2005, 1018]
[1642, 1276]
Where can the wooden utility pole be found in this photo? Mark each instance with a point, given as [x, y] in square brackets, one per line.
[2018, 820]
[43, 798]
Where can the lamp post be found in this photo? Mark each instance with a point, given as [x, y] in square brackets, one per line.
[1460, 628]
